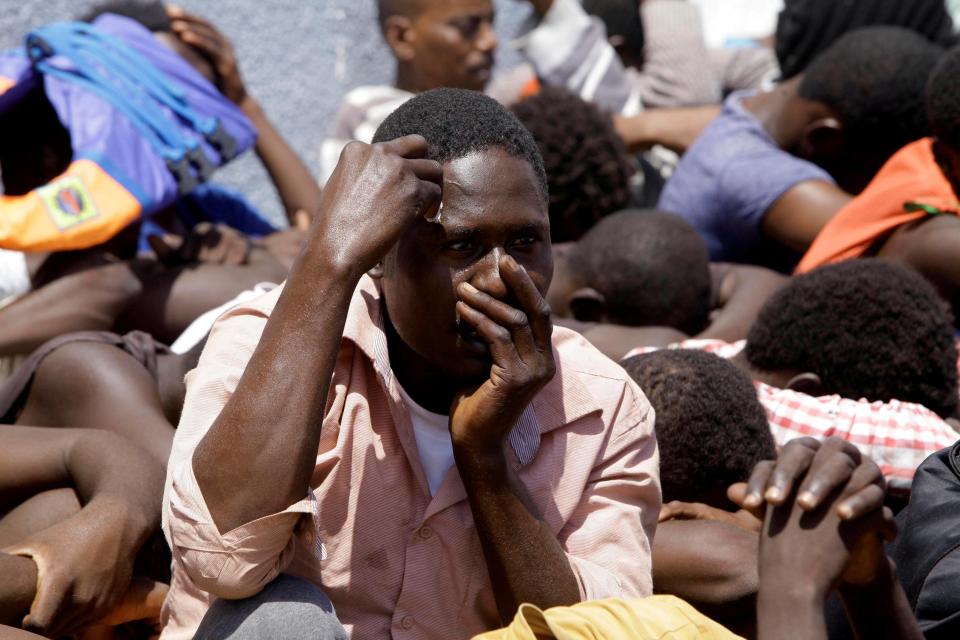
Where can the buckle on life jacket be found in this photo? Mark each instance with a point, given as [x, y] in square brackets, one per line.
[199, 160]
[223, 142]
[186, 181]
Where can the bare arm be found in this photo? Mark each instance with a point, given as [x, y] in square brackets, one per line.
[675, 129]
[267, 435]
[712, 565]
[83, 565]
[742, 290]
[297, 188]
[524, 558]
[800, 214]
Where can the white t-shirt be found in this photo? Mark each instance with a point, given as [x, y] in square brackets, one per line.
[432, 432]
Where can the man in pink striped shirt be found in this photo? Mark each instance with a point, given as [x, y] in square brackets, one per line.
[417, 448]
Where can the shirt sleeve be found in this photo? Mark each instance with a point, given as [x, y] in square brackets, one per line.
[899, 436]
[240, 562]
[608, 539]
[569, 48]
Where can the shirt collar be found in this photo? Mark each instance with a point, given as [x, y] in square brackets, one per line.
[562, 401]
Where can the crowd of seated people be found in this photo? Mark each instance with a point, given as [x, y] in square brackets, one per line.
[642, 338]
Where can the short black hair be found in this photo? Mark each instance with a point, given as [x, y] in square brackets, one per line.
[652, 268]
[874, 80]
[587, 165]
[943, 100]
[806, 28]
[711, 428]
[388, 8]
[621, 18]
[458, 122]
[150, 13]
[869, 328]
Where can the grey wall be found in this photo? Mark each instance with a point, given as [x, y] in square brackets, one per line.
[299, 57]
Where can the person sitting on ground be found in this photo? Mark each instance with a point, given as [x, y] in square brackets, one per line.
[909, 212]
[445, 362]
[768, 174]
[589, 172]
[643, 277]
[435, 44]
[857, 349]
[712, 431]
[67, 565]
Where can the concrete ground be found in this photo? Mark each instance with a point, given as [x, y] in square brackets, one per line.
[299, 58]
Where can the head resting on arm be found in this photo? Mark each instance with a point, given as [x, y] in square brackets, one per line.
[637, 268]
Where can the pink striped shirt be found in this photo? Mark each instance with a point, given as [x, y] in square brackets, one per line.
[396, 562]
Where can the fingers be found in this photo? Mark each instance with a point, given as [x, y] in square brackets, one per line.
[531, 301]
[424, 169]
[501, 347]
[773, 481]
[410, 147]
[869, 490]
[514, 320]
[825, 476]
[48, 607]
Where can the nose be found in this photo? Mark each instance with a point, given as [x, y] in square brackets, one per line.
[487, 41]
[486, 275]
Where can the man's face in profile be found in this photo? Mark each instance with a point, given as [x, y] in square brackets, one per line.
[453, 43]
[492, 206]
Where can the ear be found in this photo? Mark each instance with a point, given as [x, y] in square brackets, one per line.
[807, 382]
[377, 272]
[398, 32]
[823, 138]
[588, 305]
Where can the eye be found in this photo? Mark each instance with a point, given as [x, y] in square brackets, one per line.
[468, 27]
[525, 240]
[460, 246]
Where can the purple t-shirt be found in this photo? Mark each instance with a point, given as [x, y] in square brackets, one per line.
[727, 181]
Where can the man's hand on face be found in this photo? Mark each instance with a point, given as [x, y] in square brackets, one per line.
[522, 354]
[825, 521]
[374, 194]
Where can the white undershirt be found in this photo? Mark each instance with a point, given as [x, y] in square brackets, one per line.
[432, 432]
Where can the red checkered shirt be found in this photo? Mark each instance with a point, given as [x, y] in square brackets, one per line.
[897, 435]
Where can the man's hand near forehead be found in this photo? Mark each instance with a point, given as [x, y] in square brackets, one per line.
[374, 194]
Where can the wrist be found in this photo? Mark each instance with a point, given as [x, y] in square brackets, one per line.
[882, 581]
[136, 524]
[250, 107]
[479, 462]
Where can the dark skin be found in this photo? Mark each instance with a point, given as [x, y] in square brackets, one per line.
[827, 500]
[490, 253]
[442, 44]
[82, 564]
[711, 559]
[930, 245]
[740, 291]
[96, 384]
[808, 130]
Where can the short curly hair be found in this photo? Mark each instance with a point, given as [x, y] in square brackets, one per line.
[458, 122]
[711, 428]
[943, 100]
[874, 79]
[868, 328]
[651, 266]
[150, 13]
[587, 165]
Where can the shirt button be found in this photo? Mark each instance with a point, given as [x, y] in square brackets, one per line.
[426, 532]
[407, 622]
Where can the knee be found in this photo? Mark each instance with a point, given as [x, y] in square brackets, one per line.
[289, 608]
